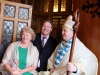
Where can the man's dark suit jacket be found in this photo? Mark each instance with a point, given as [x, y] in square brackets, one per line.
[44, 53]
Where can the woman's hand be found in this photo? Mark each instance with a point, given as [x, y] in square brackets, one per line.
[52, 70]
[16, 72]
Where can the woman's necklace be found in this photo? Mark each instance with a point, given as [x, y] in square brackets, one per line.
[24, 45]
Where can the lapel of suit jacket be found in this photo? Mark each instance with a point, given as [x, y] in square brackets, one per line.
[39, 40]
[48, 42]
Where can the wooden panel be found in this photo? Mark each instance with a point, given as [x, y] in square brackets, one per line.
[82, 22]
[77, 5]
[94, 33]
[89, 29]
[95, 40]
[98, 50]
[94, 36]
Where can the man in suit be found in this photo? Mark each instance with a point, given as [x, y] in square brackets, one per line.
[49, 46]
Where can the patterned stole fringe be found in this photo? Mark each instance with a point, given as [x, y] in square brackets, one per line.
[63, 49]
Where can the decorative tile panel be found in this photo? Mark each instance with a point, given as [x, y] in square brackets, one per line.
[35, 21]
[55, 22]
[62, 21]
[20, 26]
[9, 11]
[54, 33]
[23, 13]
[7, 30]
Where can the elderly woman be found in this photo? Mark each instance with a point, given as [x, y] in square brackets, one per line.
[21, 57]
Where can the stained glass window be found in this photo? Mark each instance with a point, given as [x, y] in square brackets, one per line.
[9, 11]
[63, 5]
[13, 17]
[7, 30]
[23, 13]
[20, 26]
[46, 6]
[55, 7]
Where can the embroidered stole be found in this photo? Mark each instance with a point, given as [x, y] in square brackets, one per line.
[63, 49]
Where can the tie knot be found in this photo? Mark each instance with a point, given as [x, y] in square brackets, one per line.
[44, 37]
